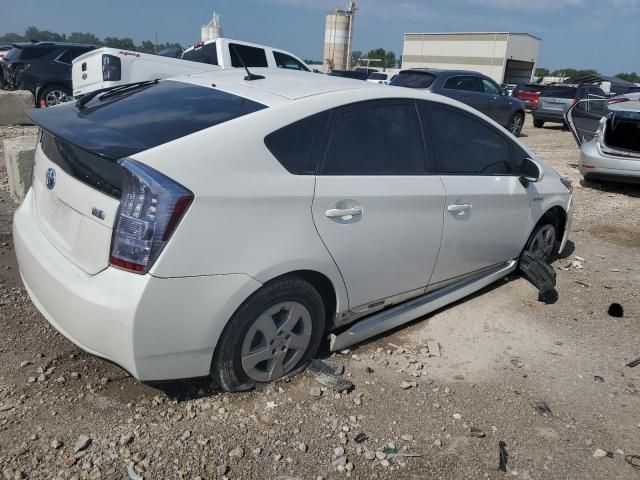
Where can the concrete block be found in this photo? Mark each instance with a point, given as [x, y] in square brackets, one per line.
[19, 153]
[13, 105]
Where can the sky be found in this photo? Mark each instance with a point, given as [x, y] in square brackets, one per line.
[600, 34]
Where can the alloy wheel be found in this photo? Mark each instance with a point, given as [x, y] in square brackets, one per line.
[515, 125]
[543, 242]
[55, 97]
[276, 341]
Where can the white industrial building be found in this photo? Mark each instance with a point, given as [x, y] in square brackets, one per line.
[505, 57]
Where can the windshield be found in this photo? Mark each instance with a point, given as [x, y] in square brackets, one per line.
[531, 88]
[557, 91]
[413, 79]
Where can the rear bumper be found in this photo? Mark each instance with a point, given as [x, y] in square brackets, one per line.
[547, 116]
[155, 328]
[594, 164]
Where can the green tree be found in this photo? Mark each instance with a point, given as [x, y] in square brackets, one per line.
[148, 47]
[122, 43]
[79, 37]
[572, 72]
[541, 72]
[629, 77]
[355, 58]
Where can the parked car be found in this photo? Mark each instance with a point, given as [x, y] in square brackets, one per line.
[43, 68]
[554, 100]
[353, 74]
[212, 225]
[508, 88]
[229, 53]
[528, 93]
[108, 67]
[379, 77]
[367, 70]
[608, 134]
[472, 88]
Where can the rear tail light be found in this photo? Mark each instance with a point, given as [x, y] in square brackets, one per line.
[534, 104]
[613, 101]
[150, 209]
[111, 68]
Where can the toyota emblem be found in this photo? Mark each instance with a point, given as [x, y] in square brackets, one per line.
[50, 178]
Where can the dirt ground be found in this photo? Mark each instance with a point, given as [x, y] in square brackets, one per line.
[500, 350]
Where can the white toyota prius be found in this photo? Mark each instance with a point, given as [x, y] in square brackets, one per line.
[221, 224]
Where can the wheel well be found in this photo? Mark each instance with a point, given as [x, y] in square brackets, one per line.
[325, 288]
[42, 88]
[558, 217]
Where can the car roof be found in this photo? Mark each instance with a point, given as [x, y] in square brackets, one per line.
[287, 84]
[51, 44]
[441, 71]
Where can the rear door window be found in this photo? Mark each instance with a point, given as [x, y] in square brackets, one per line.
[555, 91]
[204, 54]
[64, 57]
[287, 61]
[468, 83]
[413, 80]
[29, 53]
[250, 56]
[464, 145]
[299, 147]
[490, 87]
[376, 138]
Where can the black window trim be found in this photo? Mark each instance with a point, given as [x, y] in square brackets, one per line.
[428, 133]
[57, 57]
[365, 104]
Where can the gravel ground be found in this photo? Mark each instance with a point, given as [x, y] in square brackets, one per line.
[67, 414]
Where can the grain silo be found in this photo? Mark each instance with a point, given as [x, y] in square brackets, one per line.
[338, 34]
[212, 30]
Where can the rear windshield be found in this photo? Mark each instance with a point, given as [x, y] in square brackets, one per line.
[531, 88]
[556, 91]
[377, 76]
[205, 54]
[117, 127]
[28, 53]
[413, 80]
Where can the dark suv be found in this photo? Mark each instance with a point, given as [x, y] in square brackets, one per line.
[473, 88]
[43, 68]
[556, 99]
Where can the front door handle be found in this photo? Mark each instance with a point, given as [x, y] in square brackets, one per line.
[343, 212]
[459, 207]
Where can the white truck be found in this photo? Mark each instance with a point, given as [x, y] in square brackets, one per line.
[110, 67]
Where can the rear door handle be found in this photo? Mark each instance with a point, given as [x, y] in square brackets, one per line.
[459, 207]
[343, 212]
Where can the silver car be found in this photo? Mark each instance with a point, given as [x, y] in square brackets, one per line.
[555, 100]
[608, 133]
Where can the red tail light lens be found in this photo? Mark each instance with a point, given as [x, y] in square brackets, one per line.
[111, 68]
[534, 104]
[150, 209]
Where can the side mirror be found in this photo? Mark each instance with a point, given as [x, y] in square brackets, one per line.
[532, 172]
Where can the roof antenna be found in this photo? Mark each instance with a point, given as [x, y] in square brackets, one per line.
[250, 76]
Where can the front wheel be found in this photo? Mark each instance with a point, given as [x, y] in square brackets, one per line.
[542, 242]
[275, 332]
[515, 124]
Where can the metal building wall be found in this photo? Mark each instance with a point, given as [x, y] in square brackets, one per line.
[487, 53]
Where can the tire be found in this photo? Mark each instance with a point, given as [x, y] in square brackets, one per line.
[516, 123]
[543, 241]
[538, 123]
[257, 345]
[53, 95]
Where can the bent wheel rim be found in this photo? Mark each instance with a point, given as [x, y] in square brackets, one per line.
[543, 242]
[276, 341]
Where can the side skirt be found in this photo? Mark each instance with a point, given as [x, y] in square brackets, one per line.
[404, 313]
